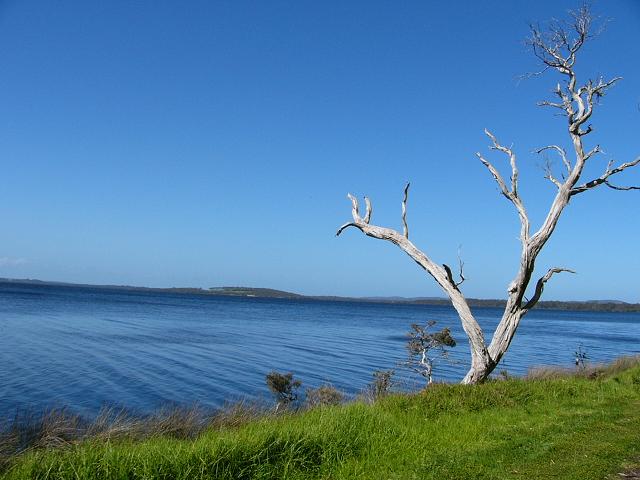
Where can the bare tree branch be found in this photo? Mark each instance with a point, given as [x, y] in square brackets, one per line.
[557, 48]
[540, 286]
[344, 227]
[604, 179]
[595, 150]
[546, 103]
[617, 187]
[447, 269]
[461, 268]
[512, 160]
[557, 45]
[460, 273]
[355, 213]
[369, 210]
[511, 194]
[479, 353]
[496, 175]
[355, 209]
[560, 151]
[549, 175]
[405, 227]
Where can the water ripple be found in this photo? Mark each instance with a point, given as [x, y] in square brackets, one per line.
[86, 348]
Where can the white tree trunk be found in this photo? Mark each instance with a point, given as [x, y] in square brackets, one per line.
[557, 52]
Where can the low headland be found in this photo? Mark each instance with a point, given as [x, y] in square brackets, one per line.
[252, 292]
[582, 424]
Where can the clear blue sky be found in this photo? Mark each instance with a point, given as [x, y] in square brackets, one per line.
[213, 143]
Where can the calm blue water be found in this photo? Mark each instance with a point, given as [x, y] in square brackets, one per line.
[86, 347]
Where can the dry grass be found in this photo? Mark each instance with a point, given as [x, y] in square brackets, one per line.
[621, 364]
[51, 429]
[549, 373]
[58, 428]
[589, 371]
[236, 415]
[323, 395]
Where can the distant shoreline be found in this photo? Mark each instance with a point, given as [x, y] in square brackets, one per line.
[249, 292]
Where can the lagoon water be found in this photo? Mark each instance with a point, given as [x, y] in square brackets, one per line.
[85, 348]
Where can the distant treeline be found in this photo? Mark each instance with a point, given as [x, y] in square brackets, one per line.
[587, 306]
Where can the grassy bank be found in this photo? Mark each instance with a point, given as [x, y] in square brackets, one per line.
[553, 426]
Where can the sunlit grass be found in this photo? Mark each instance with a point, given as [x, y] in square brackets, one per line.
[568, 427]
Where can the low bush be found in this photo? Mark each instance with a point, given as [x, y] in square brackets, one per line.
[322, 396]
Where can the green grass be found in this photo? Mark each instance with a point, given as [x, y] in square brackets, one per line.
[564, 427]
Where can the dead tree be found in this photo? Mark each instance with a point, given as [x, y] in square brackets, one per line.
[557, 47]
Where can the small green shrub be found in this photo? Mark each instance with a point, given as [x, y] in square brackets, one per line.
[426, 348]
[284, 387]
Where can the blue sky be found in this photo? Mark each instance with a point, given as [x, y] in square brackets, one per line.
[213, 143]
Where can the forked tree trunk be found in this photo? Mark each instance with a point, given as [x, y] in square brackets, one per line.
[557, 50]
